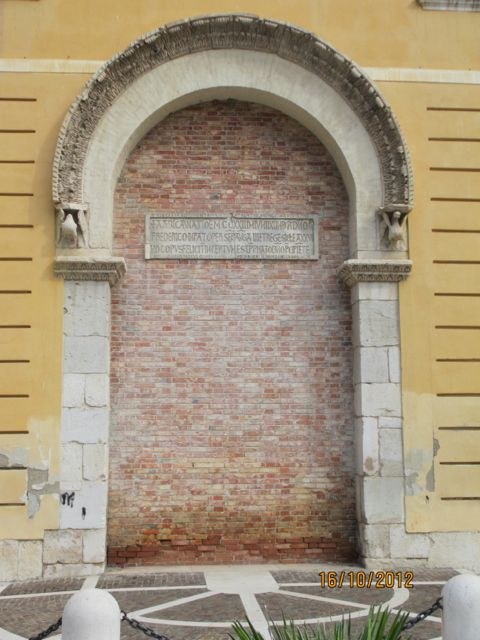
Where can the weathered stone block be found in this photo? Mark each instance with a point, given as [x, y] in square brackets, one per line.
[62, 546]
[370, 364]
[459, 550]
[30, 559]
[71, 466]
[375, 540]
[88, 508]
[8, 560]
[87, 308]
[374, 291]
[375, 323]
[85, 425]
[95, 462]
[94, 545]
[394, 367]
[73, 390]
[383, 500]
[366, 446]
[377, 399]
[387, 422]
[408, 545]
[86, 354]
[391, 452]
[96, 390]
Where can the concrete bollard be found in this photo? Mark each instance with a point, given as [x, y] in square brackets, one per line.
[91, 614]
[461, 608]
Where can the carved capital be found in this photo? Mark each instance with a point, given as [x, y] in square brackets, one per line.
[353, 271]
[84, 268]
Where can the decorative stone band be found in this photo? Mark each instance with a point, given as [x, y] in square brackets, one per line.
[84, 268]
[230, 31]
[353, 271]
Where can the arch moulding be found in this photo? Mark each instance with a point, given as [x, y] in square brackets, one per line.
[247, 58]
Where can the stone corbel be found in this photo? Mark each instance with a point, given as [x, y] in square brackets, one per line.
[351, 272]
[85, 268]
[393, 226]
[72, 226]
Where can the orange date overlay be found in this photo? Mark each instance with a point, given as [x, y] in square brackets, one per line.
[366, 579]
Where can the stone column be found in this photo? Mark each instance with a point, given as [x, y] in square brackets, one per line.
[78, 546]
[380, 475]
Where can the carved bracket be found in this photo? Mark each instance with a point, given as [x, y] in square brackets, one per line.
[393, 226]
[81, 268]
[351, 272]
[72, 225]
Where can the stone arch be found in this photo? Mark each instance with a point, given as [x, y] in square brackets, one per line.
[221, 56]
[257, 60]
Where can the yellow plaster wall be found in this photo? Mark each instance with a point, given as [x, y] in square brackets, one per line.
[31, 299]
[374, 33]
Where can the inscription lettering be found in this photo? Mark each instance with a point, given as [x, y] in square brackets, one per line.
[202, 237]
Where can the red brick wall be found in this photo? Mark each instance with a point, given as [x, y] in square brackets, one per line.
[231, 380]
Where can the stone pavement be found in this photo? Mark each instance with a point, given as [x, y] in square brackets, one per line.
[199, 603]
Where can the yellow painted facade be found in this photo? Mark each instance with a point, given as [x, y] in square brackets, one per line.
[439, 302]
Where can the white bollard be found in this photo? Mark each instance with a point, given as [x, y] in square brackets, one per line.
[91, 614]
[461, 608]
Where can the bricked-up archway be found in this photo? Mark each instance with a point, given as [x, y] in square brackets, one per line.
[272, 64]
[232, 391]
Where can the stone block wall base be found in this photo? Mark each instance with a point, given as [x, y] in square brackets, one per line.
[390, 546]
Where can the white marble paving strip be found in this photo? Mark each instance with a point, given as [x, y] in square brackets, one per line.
[412, 614]
[184, 623]
[6, 635]
[309, 596]
[37, 595]
[255, 614]
[299, 584]
[173, 603]
[197, 586]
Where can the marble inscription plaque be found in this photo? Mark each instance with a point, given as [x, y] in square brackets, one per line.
[228, 237]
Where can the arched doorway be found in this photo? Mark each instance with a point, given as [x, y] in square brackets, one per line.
[282, 67]
[232, 388]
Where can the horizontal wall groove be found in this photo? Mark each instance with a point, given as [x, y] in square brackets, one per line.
[17, 131]
[12, 504]
[461, 169]
[15, 326]
[457, 326]
[462, 498]
[455, 463]
[456, 395]
[14, 468]
[459, 428]
[17, 161]
[439, 139]
[14, 395]
[16, 99]
[457, 295]
[452, 360]
[9, 432]
[16, 291]
[16, 226]
[451, 230]
[13, 193]
[15, 259]
[14, 361]
[456, 261]
[443, 199]
[472, 109]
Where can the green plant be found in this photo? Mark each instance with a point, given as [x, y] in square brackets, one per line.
[377, 627]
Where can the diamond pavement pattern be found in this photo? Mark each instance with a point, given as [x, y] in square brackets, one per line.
[186, 604]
